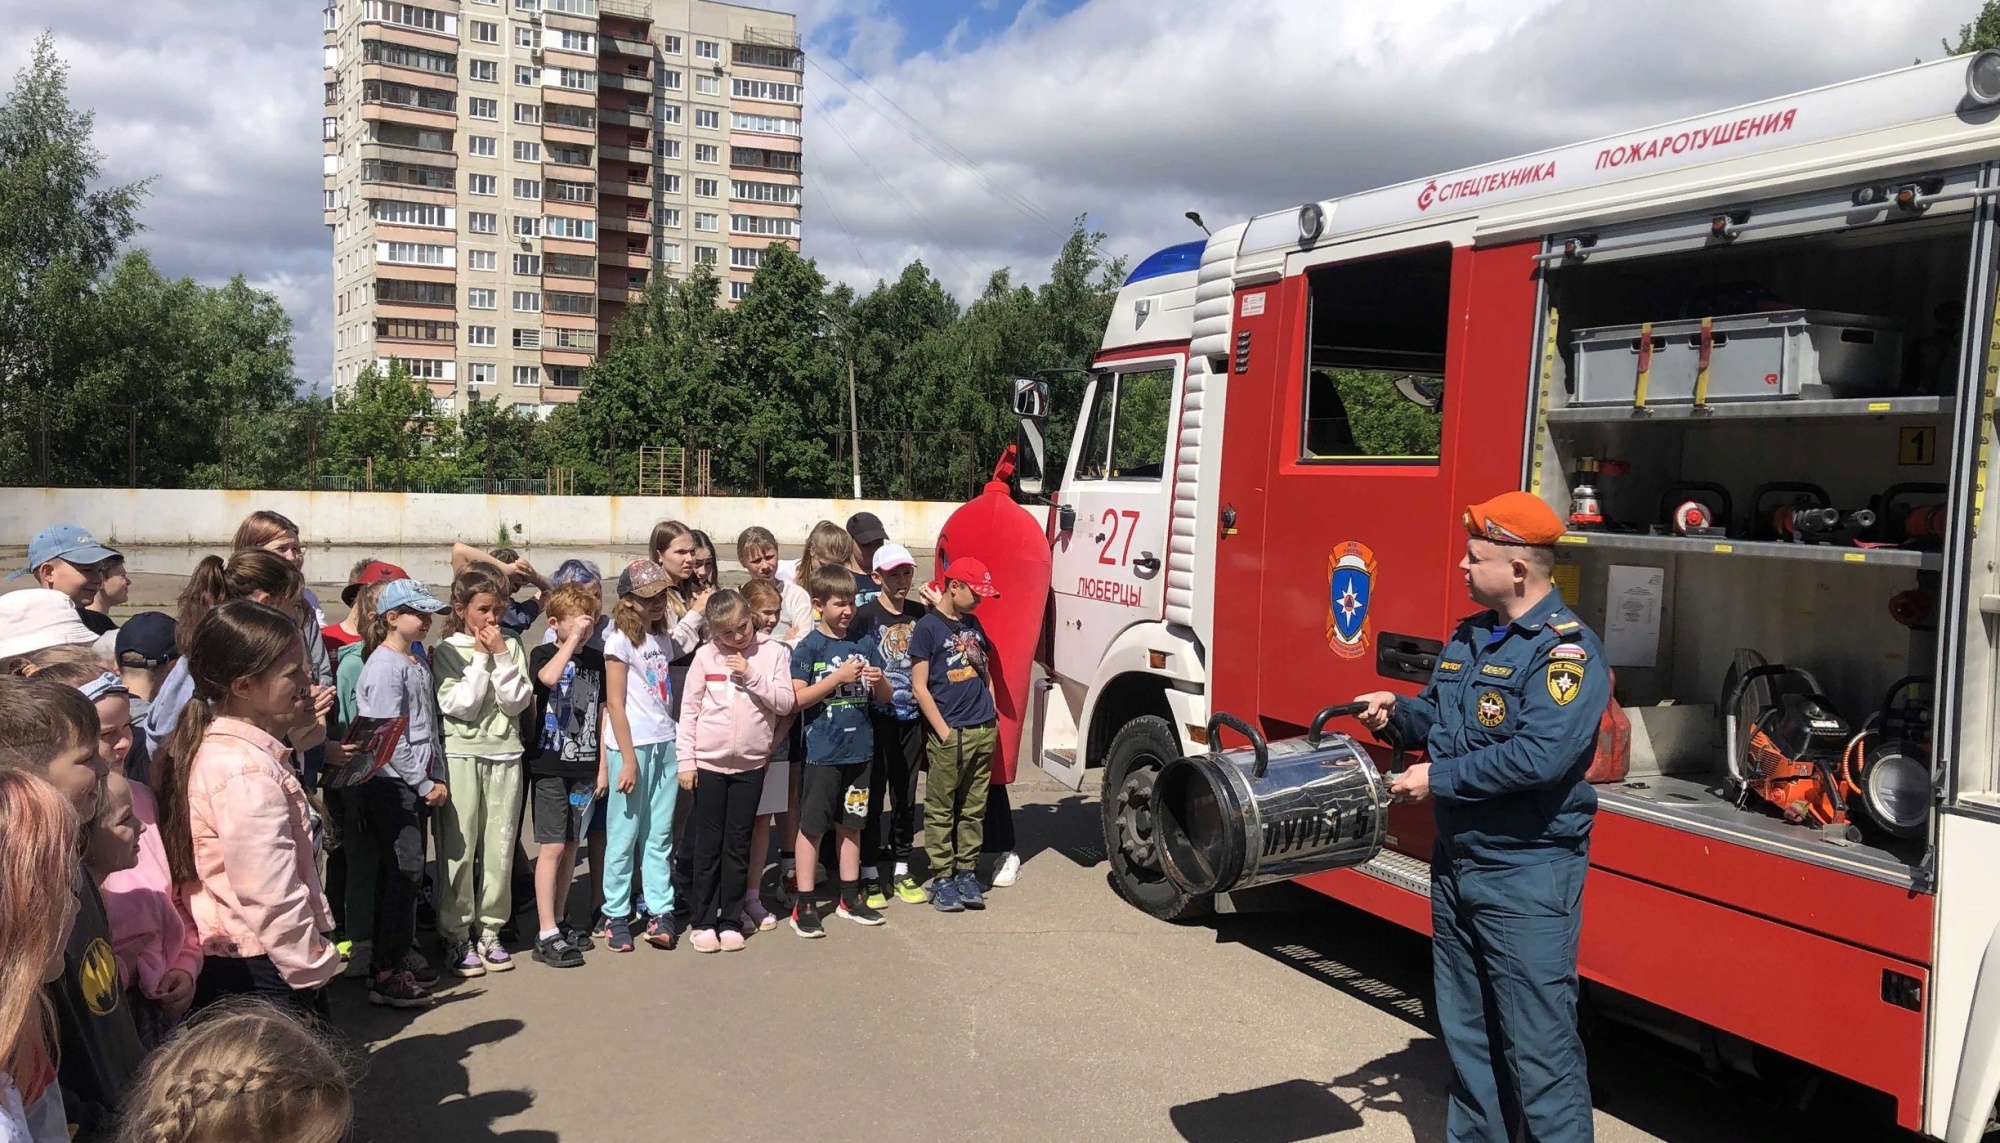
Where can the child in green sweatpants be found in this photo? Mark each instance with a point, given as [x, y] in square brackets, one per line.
[953, 686]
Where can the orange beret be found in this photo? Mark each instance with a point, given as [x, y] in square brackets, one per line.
[1515, 518]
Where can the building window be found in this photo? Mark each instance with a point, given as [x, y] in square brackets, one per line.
[525, 152]
[1360, 314]
[410, 16]
[573, 7]
[557, 191]
[478, 299]
[670, 184]
[706, 188]
[707, 50]
[403, 135]
[575, 79]
[767, 91]
[411, 214]
[485, 33]
[528, 113]
[415, 254]
[635, 280]
[707, 153]
[670, 253]
[571, 266]
[670, 79]
[707, 85]
[708, 120]
[577, 42]
[527, 226]
[528, 189]
[704, 221]
[482, 260]
[528, 265]
[671, 218]
[411, 329]
[670, 114]
[483, 71]
[737, 290]
[482, 184]
[577, 229]
[563, 115]
[524, 76]
[398, 55]
[704, 255]
[759, 224]
[671, 45]
[764, 124]
[482, 335]
[527, 339]
[415, 293]
[527, 302]
[569, 156]
[743, 258]
[481, 373]
[768, 160]
[670, 148]
[403, 95]
[757, 55]
[572, 303]
[527, 5]
[764, 192]
[482, 222]
[479, 108]
[527, 376]
[581, 339]
[482, 146]
[525, 37]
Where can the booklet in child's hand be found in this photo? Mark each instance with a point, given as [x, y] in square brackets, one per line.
[376, 740]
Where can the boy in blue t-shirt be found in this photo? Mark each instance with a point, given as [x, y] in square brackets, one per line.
[887, 623]
[834, 677]
[953, 686]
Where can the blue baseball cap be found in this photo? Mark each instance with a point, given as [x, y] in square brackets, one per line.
[409, 595]
[64, 542]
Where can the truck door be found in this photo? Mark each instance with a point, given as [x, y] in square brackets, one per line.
[1109, 564]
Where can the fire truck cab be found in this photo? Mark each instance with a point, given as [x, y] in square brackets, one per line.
[1752, 356]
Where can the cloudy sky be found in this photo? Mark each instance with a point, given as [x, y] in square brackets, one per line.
[968, 134]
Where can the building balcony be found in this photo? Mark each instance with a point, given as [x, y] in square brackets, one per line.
[608, 187]
[640, 155]
[619, 81]
[624, 223]
[619, 45]
[611, 117]
[624, 258]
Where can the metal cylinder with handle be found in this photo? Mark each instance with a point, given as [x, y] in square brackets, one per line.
[1234, 819]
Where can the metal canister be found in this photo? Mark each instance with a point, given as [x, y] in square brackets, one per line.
[1234, 819]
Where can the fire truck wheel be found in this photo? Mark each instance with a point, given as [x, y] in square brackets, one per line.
[1141, 747]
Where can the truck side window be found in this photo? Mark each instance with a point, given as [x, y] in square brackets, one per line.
[1139, 442]
[1093, 455]
[1374, 377]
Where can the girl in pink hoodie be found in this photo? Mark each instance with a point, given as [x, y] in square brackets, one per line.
[738, 690]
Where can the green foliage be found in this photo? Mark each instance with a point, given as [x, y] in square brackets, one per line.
[1982, 33]
[1383, 421]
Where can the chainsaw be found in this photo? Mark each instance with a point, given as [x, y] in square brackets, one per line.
[1785, 742]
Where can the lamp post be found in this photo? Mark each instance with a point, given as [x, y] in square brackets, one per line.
[853, 401]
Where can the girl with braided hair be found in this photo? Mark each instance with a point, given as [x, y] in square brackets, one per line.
[245, 1070]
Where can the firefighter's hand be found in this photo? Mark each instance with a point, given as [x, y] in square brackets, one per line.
[1413, 784]
[1381, 704]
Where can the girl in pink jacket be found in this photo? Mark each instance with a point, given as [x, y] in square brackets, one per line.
[738, 690]
[234, 820]
[152, 935]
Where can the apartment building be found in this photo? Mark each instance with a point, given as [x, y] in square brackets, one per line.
[504, 177]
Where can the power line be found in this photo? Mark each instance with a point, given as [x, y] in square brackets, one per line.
[944, 243]
[827, 199]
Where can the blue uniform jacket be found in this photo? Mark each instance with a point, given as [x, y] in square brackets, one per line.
[1511, 727]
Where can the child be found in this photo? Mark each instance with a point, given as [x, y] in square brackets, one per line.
[757, 551]
[274, 532]
[355, 859]
[739, 694]
[66, 559]
[248, 1073]
[38, 866]
[886, 623]
[566, 757]
[638, 652]
[395, 683]
[482, 681]
[112, 592]
[763, 597]
[152, 933]
[517, 574]
[347, 632]
[953, 688]
[834, 679]
[145, 654]
[236, 825]
[865, 531]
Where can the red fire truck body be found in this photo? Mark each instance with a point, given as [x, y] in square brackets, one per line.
[1260, 515]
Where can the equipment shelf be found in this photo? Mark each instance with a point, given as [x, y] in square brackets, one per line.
[1753, 549]
[1750, 410]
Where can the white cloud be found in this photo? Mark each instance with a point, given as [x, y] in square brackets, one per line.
[1129, 110]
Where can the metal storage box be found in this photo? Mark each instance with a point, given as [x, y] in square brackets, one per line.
[1783, 354]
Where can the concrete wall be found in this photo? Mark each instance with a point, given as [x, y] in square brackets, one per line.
[170, 517]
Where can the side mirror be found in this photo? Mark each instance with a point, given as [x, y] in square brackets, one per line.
[1031, 405]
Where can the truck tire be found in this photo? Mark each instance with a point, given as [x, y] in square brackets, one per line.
[1141, 747]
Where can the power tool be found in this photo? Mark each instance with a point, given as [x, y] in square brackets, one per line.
[1785, 741]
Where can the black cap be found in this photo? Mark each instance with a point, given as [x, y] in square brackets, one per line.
[866, 528]
[147, 640]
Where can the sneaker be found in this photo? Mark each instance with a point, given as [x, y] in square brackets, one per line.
[575, 936]
[360, 961]
[463, 959]
[1008, 871]
[398, 990]
[805, 920]
[618, 935]
[732, 941]
[345, 948]
[495, 955]
[968, 891]
[878, 895]
[601, 930]
[705, 940]
[860, 912]
[756, 916]
[557, 952]
[414, 963]
[943, 892]
[910, 891]
[663, 932]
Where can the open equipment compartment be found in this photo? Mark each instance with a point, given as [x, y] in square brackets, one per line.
[1802, 523]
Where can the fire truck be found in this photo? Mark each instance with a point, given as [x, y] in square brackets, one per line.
[1752, 357]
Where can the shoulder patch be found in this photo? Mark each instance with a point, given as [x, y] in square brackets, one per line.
[1567, 626]
[1571, 651]
[1497, 671]
[1565, 681]
[1450, 665]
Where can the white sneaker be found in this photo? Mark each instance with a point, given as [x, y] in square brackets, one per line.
[359, 958]
[1008, 871]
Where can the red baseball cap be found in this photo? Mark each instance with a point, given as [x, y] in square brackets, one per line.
[374, 571]
[974, 575]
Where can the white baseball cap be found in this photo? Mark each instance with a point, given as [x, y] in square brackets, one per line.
[893, 556]
[37, 618]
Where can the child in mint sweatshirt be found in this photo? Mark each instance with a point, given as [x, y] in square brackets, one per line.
[483, 686]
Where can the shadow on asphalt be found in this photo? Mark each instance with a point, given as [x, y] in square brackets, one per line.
[418, 1087]
[1288, 1112]
[1071, 826]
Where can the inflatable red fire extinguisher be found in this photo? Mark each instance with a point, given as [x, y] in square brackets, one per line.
[1015, 548]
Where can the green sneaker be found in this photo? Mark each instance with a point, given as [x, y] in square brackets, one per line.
[877, 898]
[345, 949]
[910, 891]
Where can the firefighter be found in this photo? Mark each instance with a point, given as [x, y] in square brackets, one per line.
[1509, 724]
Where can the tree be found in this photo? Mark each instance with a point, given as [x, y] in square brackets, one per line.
[386, 435]
[1982, 33]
